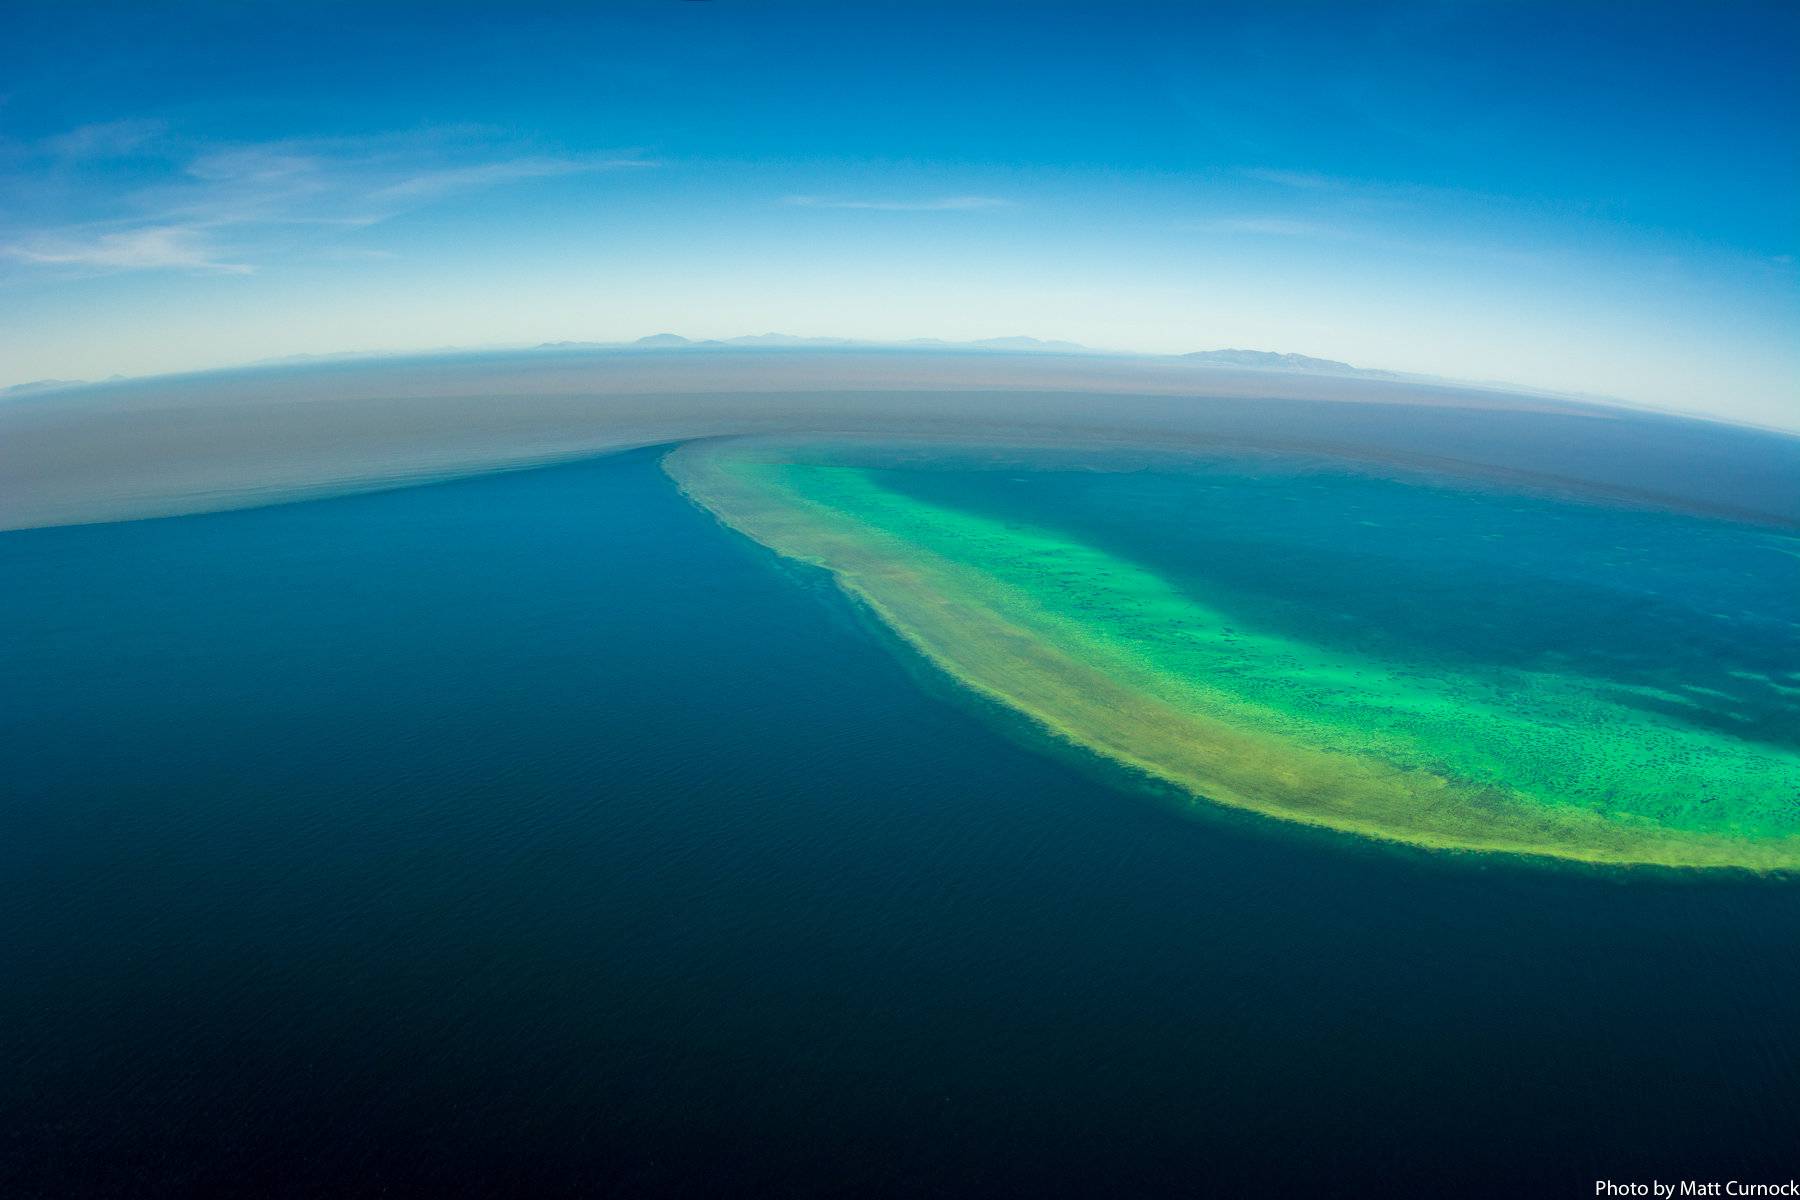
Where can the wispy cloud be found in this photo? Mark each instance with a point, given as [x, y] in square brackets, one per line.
[1270, 227]
[198, 197]
[1346, 231]
[937, 204]
[147, 248]
[105, 140]
[431, 184]
[1304, 180]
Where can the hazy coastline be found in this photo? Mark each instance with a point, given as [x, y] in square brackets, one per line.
[231, 439]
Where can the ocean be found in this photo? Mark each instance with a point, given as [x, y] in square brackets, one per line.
[534, 834]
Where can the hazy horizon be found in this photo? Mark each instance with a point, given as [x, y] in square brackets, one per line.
[773, 341]
[185, 443]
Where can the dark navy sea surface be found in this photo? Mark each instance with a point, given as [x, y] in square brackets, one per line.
[535, 835]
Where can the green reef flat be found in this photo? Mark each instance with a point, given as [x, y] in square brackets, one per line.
[1218, 694]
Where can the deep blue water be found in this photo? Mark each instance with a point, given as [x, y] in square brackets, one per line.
[533, 835]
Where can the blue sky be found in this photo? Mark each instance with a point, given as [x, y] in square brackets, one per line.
[1597, 197]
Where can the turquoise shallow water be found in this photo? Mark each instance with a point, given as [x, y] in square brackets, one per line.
[1691, 617]
[1586, 652]
[536, 831]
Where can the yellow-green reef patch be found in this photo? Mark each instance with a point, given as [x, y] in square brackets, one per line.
[1108, 654]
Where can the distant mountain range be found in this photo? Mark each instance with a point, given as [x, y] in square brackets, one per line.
[1009, 343]
[40, 385]
[1261, 359]
[51, 385]
[1269, 359]
[670, 341]
[1257, 360]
